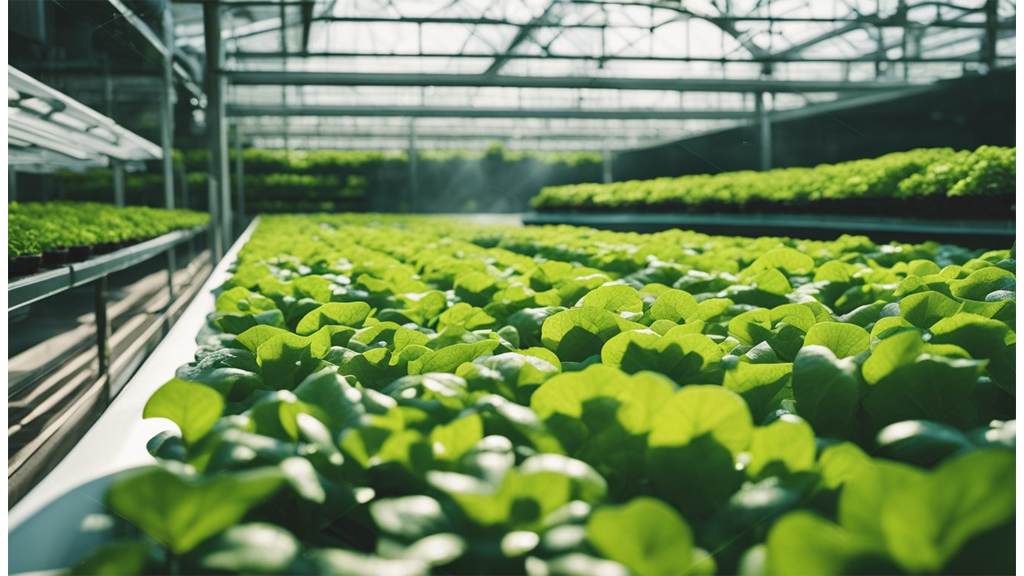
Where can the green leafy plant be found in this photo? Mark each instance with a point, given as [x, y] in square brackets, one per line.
[934, 174]
[47, 226]
[408, 395]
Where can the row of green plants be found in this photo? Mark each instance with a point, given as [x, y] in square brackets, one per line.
[261, 190]
[282, 180]
[294, 186]
[926, 176]
[406, 395]
[41, 231]
[260, 160]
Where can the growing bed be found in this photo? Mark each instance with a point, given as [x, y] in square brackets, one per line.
[52, 235]
[402, 395]
[826, 226]
[963, 197]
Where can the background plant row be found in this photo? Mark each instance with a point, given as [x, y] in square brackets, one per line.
[348, 180]
[326, 161]
[928, 175]
[401, 395]
[37, 227]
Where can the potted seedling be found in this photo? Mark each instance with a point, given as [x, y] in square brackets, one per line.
[53, 242]
[82, 249]
[23, 254]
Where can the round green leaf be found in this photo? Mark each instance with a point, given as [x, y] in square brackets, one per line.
[645, 535]
[195, 408]
[843, 340]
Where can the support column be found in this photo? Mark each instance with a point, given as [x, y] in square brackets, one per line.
[991, 34]
[225, 170]
[764, 130]
[183, 178]
[413, 166]
[102, 327]
[172, 269]
[216, 247]
[239, 178]
[117, 167]
[216, 130]
[12, 185]
[167, 141]
[606, 164]
[167, 110]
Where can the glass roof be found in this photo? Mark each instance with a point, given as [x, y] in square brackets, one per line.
[575, 74]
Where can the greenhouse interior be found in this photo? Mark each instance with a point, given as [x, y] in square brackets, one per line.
[494, 287]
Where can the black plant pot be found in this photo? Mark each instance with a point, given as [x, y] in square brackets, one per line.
[23, 265]
[106, 248]
[79, 253]
[53, 258]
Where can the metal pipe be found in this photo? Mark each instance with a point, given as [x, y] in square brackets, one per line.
[102, 326]
[117, 166]
[172, 268]
[413, 166]
[441, 133]
[682, 11]
[991, 33]
[317, 78]
[223, 160]
[606, 164]
[239, 110]
[216, 129]
[764, 131]
[548, 56]
[239, 177]
[183, 178]
[167, 110]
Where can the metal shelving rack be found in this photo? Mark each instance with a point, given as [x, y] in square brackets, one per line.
[54, 510]
[29, 289]
[51, 129]
[24, 291]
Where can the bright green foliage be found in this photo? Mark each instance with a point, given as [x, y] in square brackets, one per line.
[901, 520]
[843, 340]
[35, 227]
[924, 173]
[645, 535]
[334, 314]
[397, 395]
[179, 512]
[575, 335]
[195, 408]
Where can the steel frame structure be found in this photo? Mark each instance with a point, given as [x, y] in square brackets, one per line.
[276, 53]
[580, 63]
[89, 139]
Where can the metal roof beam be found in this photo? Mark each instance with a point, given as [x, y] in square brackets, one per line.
[795, 49]
[893, 21]
[460, 20]
[841, 104]
[881, 21]
[153, 40]
[305, 78]
[870, 58]
[524, 33]
[239, 110]
[726, 21]
[251, 131]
